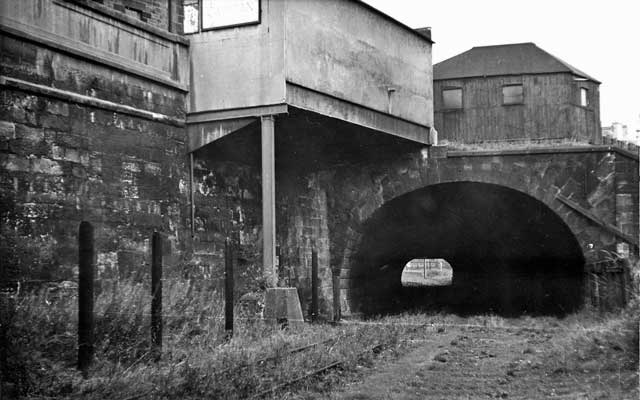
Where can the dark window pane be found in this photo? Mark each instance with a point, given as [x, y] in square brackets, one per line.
[512, 94]
[218, 13]
[191, 16]
[452, 98]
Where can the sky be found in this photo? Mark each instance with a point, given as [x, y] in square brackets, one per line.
[601, 38]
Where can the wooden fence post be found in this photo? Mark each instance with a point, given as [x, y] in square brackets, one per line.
[156, 294]
[228, 287]
[314, 285]
[336, 295]
[85, 296]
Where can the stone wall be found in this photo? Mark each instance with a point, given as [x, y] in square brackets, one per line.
[228, 204]
[595, 181]
[67, 159]
[227, 201]
[626, 201]
[302, 227]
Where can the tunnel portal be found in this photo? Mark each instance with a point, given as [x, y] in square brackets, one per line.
[510, 253]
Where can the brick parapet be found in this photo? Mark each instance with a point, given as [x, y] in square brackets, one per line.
[160, 17]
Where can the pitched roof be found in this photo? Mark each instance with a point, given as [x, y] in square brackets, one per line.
[506, 59]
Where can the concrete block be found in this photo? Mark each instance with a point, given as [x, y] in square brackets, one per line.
[283, 304]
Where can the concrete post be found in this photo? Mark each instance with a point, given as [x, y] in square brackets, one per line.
[268, 201]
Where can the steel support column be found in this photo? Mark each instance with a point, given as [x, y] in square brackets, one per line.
[268, 200]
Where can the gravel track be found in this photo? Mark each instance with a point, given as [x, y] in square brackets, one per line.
[485, 363]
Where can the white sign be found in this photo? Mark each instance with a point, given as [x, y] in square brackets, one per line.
[220, 13]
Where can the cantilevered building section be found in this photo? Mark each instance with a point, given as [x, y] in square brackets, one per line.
[313, 77]
[338, 58]
[514, 92]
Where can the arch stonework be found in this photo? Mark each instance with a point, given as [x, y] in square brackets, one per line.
[585, 178]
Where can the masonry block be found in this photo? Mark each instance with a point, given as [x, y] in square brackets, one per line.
[283, 304]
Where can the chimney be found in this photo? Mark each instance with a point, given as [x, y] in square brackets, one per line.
[426, 32]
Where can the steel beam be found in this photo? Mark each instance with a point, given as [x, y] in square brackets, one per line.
[268, 200]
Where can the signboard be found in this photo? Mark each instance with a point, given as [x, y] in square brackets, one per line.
[223, 13]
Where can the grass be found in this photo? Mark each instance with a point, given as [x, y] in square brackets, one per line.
[602, 342]
[39, 351]
[197, 360]
[434, 277]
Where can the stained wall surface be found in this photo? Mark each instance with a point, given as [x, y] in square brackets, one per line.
[239, 67]
[551, 110]
[340, 49]
[346, 50]
[89, 130]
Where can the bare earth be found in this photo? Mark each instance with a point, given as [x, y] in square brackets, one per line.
[478, 362]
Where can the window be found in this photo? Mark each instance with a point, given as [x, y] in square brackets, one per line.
[191, 15]
[512, 94]
[202, 15]
[135, 13]
[452, 98]
[584, 97]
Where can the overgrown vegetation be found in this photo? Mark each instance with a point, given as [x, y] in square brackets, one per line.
[600, 342]
[197, 360]
[38, 351]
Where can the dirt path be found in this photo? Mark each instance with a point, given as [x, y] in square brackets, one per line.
[476, 363]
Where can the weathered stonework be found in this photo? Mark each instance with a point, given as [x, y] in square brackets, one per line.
[83, 138]
[302, 228]
[63, 161]
[587, 178]
[227, 205]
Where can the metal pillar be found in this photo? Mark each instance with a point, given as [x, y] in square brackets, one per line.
[268, 201]
[228, 288]
[86, 266]
[192, 196]
[156, 295]
[314, 285]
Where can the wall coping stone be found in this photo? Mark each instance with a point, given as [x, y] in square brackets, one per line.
[77, 98]
[543, 150]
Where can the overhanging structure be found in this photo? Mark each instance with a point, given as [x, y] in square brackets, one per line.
[336, 60]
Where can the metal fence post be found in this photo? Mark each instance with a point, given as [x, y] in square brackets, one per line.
[336, 295]
[228, 287]
[314, 285]
[85, 296]
[156, 294]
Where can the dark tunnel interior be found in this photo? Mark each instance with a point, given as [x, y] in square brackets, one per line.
[511, 255]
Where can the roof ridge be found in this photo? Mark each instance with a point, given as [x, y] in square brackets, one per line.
[504, 59]
[504, 45]
[572, 69]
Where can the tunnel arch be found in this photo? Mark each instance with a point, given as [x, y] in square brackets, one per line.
[510, 253]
